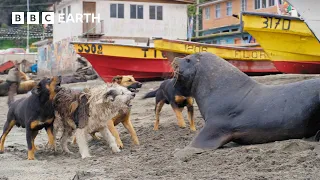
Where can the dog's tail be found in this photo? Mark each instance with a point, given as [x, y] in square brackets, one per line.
[150, 94]
[11, 93]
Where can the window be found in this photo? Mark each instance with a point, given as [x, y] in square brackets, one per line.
[155, 12]
[159, 12]
[69, 10]
[229, 8]
[207, 12]
[136, 11]
[271, 3]
[218, 15]
[256, 4]
[264, 3]
[243, 5]
[117, 10]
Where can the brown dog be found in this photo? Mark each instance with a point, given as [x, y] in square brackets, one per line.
[130, 83]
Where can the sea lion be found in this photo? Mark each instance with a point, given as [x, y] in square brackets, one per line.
[238, 109]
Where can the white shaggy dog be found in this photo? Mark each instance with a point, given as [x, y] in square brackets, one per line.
[105, 102]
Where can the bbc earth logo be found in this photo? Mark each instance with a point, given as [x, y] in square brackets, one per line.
[49, 18]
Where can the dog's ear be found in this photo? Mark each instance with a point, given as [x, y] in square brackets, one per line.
[111, 94]
[117, 79]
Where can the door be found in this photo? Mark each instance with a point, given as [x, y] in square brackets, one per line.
[90, 8]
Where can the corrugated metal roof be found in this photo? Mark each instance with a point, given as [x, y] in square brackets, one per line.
[309, 11]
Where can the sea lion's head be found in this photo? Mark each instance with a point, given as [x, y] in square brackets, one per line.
[185, 70]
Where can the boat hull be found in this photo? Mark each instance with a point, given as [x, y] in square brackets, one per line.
[288, 42]
[290, 67]
[141, 68]
[247, 59]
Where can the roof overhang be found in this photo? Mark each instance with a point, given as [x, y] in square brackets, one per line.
[211, 2]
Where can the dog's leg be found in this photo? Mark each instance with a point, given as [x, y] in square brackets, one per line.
[159, 106]
[67, 132]
[30, 144]
[81, 135]
[106, 134]
[128, 125]
[34, 135]
[7, 128]
[51, 138]
[178, 112]
[115, 133]
[191, 113]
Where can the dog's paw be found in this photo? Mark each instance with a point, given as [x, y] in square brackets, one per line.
[193, 128]
[182, 125]
[67, 151]
[115, 149]
[120, 144]
[51, 147]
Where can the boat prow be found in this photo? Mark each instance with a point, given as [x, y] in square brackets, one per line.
[109, 60]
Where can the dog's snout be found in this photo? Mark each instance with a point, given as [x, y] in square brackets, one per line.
[134, 94]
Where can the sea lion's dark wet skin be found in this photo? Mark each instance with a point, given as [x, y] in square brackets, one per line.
[237, 108]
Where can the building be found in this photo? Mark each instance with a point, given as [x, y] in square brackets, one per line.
[124, 19]
[219, 24]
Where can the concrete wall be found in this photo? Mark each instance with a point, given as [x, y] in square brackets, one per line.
[58, 58]
[173, 25]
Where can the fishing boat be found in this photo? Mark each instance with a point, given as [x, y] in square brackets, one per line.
[109, 60]
[287, 40]
[249, 58]
[309, 11]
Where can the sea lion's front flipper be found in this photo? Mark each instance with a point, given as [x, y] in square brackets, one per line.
[210, 137]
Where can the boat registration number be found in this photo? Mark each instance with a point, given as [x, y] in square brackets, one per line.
[276, 23]
[90, 48]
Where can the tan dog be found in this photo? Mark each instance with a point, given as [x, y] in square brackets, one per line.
[130, 83]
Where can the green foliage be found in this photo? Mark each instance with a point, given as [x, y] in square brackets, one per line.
[8, 6]
[3, 25]
[192, 8]
[5, 44]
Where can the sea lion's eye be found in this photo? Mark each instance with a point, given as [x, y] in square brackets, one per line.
[188, 60]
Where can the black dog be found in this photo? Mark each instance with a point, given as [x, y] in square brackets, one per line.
[33, 113]
[171, 94]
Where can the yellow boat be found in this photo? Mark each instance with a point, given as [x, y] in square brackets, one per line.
[109, 60]
[287, 40]
[249, 58]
